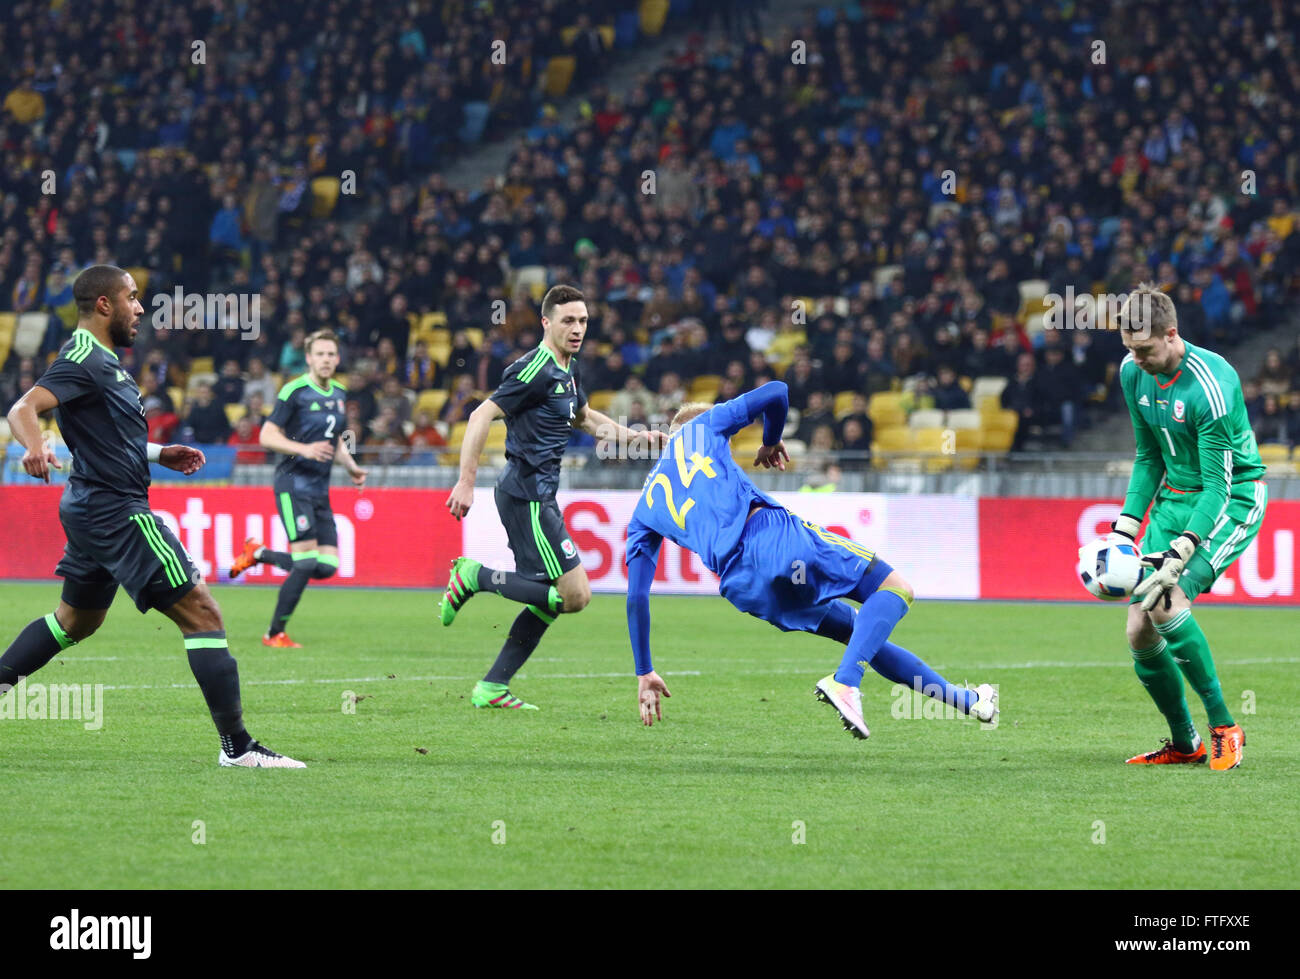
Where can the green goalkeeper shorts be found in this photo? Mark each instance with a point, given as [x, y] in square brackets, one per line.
[1232, 534]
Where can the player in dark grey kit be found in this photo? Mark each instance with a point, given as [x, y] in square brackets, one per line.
[305, 426]
[113, 538]
[542, 400]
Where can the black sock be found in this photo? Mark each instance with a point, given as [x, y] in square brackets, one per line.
[517, 588]
[35, 646]
[525, 633]
[281, 559]
[290, 592]
[218, 676]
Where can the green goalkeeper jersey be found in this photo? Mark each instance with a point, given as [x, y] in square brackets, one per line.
[1192, 432]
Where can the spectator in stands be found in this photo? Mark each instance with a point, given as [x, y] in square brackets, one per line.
[206, 422]
[1061, 392]
[256, 407]
[948, 393]
[259, 381]
[816, 415]
[461, 402]
[1023, 395]
[1274, 376]
[634, 392]
[1293, 415]
[422, 371]
[855, 445]
[824, 480]
[844, 372]
[244, 439]
[801, 379]
[879, 372]
[821, 448]
[160, 420]
[425, 433]
[394, 397]
[671, 396]
[1253, 399]
[1004, 359]
[463, 358]
[1271, 426]
[229, 389]
[293, 360]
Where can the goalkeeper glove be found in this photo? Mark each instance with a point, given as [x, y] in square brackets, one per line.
[1126, 526]
[1166, 569]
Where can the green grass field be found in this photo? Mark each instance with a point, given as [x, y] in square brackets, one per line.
[587, 797]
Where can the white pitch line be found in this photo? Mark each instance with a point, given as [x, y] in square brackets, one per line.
[1042, 664]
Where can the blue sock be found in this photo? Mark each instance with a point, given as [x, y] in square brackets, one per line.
[905, 667]
[875, 621]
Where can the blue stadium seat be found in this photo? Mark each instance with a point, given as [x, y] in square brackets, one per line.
[627, 29]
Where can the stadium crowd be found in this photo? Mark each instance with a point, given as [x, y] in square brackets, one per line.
[852, 206]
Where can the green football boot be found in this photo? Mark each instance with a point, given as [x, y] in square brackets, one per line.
[496, 695]
[460, 589]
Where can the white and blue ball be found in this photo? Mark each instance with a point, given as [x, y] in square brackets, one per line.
[1110, 569]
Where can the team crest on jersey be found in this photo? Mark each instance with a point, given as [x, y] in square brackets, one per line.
[567, 547]
[302, 522]
[1180, 409]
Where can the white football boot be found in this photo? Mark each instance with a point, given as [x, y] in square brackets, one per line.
[986, 708]
[847, 701]
[258, 756]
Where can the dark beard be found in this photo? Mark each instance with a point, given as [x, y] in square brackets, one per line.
[119, 330]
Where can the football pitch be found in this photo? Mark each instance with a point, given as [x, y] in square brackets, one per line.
[748, 782]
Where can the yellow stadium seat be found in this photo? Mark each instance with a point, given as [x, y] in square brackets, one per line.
[30, 333]
[606, 32]
[599, 400]
[234, 412]
[475, 336]
[996, 439]
[496, 439]
[653, 14]
[324, 195]
[559, 75]
[8, 327]
[202, 365]
[843, 404]
[892, 438]
[431, 401]
[141, 276]
[968, 447]
[1001, 420]
[1270, 452]
[178, 398]
[457, 435]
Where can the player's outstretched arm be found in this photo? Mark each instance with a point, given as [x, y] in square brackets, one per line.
[640, 574]
[184, 459]
[476, 433]
[25, 425]
[601, 426]
[358, 473]
[272, 437]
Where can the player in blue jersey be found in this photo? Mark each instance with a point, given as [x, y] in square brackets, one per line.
[113, 538]
[786, 571]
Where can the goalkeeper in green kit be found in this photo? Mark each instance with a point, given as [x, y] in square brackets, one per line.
[1197, 458]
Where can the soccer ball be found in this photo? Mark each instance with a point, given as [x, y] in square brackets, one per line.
[1110, 569]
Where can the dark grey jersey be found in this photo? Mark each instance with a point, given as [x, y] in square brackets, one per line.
[307, 413]
[102, 421]
[540, 399]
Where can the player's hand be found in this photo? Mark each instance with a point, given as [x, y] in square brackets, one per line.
[359, 475]
[649, 687]
[1126, 526]
[1166, 570]
[38, 462]
[318, 451]
[185, 459]
[461, 499]
[772, 456]
[654, 438]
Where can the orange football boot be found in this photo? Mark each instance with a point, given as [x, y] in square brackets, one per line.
[1169, 755]
[245, 559]
[1228, 745]
[280, 640]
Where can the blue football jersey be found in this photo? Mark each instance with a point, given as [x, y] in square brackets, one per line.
[696, 495]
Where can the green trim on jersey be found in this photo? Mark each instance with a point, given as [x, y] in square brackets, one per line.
[286, 514]
[176, 575]
[81, 333]
[306, 381]
[543, 545]
[83, 345]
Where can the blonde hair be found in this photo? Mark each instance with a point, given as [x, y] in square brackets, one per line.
[1147, 310]
[689, 410]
